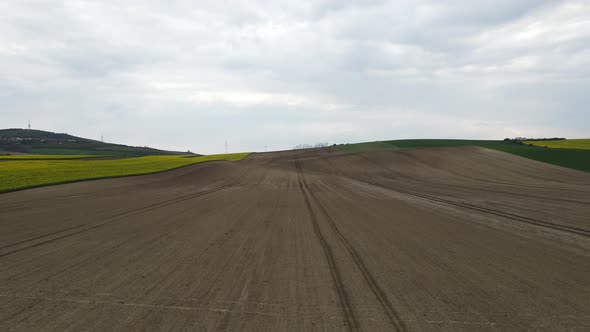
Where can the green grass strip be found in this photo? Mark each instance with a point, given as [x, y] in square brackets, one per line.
[22, 174]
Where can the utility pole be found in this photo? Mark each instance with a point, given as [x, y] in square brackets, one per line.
[225, 146]
[265, 148]
[29, 124]
[102, 138]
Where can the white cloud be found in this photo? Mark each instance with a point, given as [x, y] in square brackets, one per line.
[174, 73]
[551, 26]
[244, 98]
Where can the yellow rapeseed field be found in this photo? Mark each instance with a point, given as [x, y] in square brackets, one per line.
[20, 174]
[583, 143]
[46, 156]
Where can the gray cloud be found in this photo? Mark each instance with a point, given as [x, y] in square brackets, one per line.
[278, 73]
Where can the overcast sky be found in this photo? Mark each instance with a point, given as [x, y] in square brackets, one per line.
[192, 74]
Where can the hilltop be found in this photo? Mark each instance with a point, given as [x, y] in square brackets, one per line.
[32, 141]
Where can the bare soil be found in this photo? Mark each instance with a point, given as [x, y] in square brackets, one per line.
[413, 239]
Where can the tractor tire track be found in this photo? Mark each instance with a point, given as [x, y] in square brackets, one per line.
[507, 215]
[111, 219]
[41, 236]
[512, 216]
[406, 177]
[349, 316]
[381, 296]
[532, 221]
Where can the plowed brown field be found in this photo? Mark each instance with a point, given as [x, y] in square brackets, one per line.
[412, 239]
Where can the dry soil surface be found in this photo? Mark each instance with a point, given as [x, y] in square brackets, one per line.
[412, 239]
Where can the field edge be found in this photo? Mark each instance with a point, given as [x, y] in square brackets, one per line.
[5, 191]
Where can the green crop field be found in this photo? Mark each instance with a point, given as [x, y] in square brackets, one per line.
[21, 174]
[44, 157]
[69, 152]
[573, 158]
[583, 144]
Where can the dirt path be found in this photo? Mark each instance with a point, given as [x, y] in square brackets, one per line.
[414, 239]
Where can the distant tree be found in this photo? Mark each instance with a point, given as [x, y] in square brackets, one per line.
[309, 146]
[302, 146]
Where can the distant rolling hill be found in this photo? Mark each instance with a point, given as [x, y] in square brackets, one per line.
[44, 142]
[575, 158]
